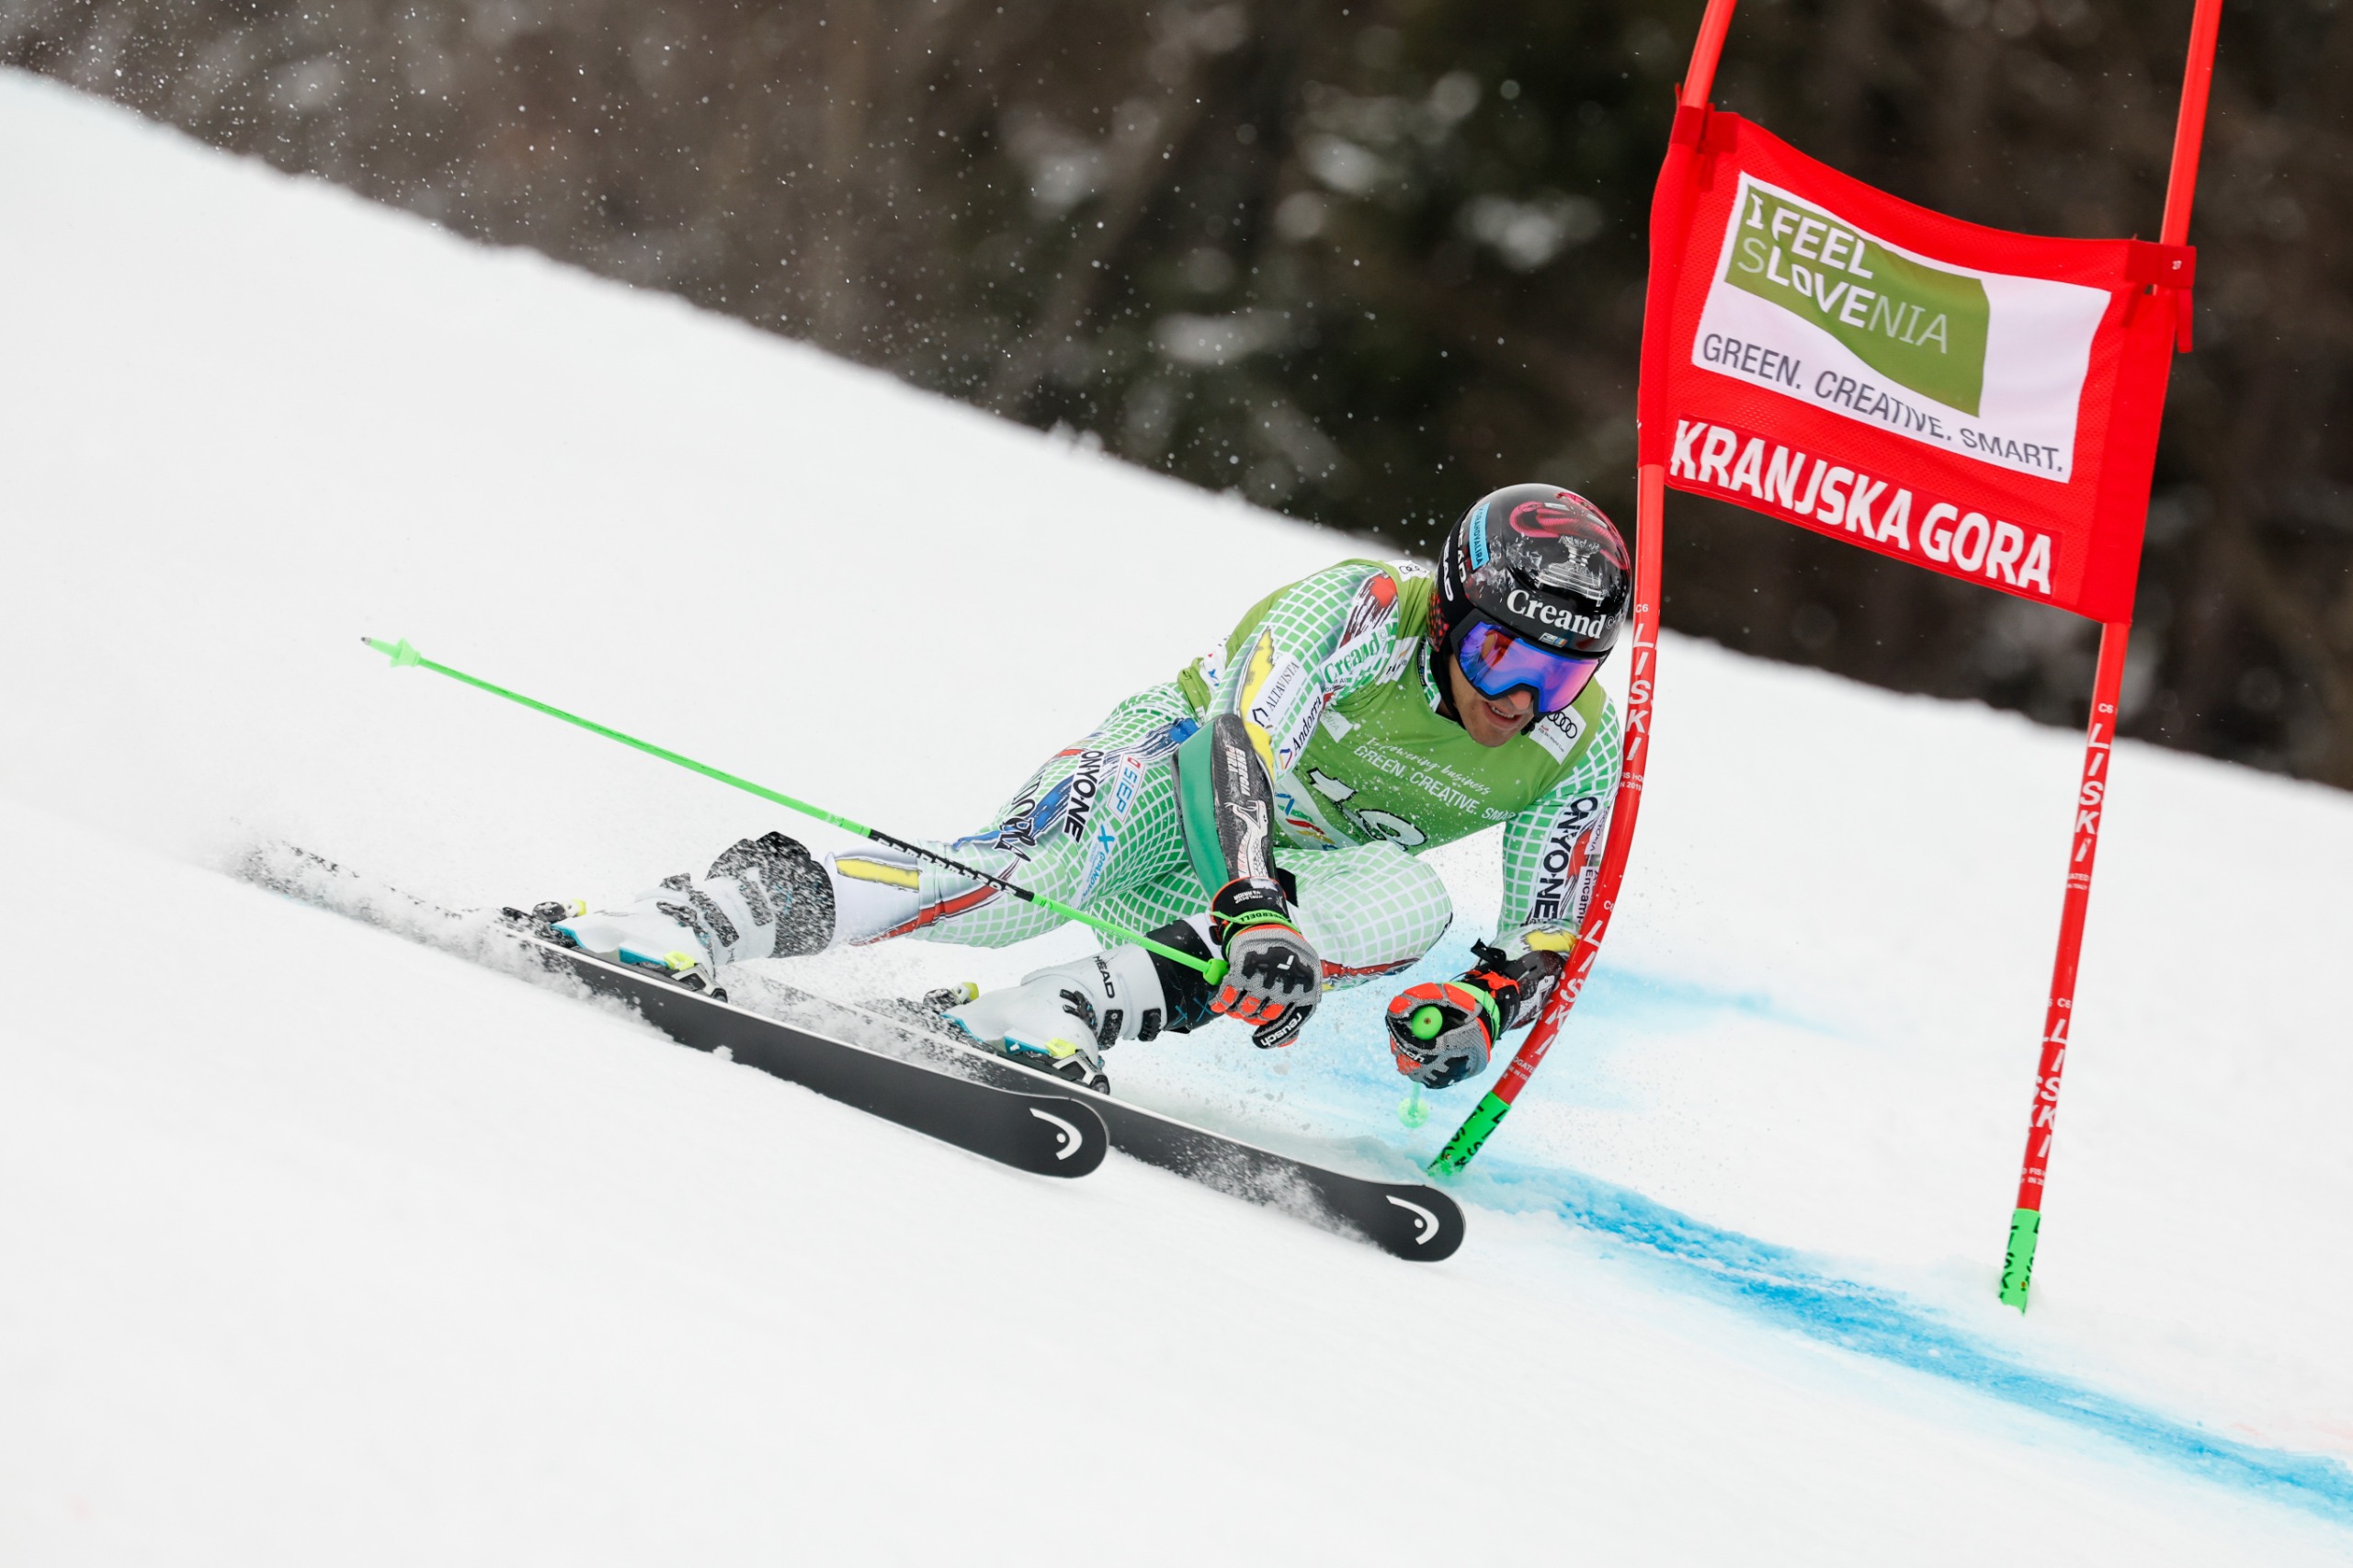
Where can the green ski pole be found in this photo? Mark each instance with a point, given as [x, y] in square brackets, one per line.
[402, 656]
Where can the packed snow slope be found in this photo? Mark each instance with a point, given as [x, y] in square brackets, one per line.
[325, 1245]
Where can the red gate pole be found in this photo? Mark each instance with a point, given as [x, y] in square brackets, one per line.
[1670, 216]
[2025, 1219]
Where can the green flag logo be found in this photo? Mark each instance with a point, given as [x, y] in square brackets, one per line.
[1918, 325]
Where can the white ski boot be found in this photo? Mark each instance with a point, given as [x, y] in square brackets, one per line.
[1062, 1019]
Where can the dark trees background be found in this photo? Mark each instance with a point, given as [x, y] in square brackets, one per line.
[1363, 261]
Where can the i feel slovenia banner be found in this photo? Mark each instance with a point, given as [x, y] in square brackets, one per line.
[1981, 403]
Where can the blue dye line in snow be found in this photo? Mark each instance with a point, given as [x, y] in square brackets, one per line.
[1628, 999]
[1622, 1008]
[1624, 999]
[1618, 1008]
[1779, 1285]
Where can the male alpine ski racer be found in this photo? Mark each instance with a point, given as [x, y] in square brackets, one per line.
[1265, 806]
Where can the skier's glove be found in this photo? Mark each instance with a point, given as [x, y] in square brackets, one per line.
[1442, 1032]
[1446, 1032]
[1273, 978]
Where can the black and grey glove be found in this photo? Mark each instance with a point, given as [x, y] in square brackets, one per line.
[1273, 978]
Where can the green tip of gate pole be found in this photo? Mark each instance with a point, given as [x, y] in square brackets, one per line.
[1476, 1129]
[2017, 1266]
[399, 653]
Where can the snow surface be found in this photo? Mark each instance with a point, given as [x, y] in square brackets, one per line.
[325, 1245]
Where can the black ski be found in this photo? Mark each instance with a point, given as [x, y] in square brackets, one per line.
[1408, 1220]
[1411, 1221]
[1034, 1127]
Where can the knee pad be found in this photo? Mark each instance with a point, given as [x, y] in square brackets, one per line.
[1371, 912]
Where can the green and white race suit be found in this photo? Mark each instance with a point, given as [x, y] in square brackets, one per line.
[1333, 675]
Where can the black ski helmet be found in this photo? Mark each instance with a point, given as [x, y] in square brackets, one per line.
[1540, 562]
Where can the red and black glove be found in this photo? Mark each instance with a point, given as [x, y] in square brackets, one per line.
[1273, 978]
[1442, 1032]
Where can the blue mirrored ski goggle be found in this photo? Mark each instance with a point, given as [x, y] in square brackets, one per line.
[1496, 663]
